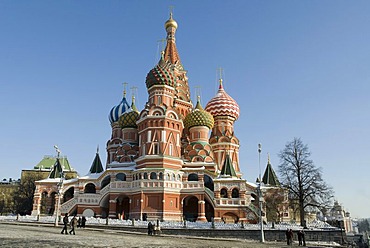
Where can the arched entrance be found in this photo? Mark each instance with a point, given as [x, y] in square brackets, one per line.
[123, 207]
[190, 208]
[52, 202]
[210, 211]
[104, 206]
[69, 194]
[230, 218]
[208, 182]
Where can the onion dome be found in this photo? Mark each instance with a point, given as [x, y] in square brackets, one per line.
[129, 118]
[118, 110]
[223, 104]
[170, 23]
[161, 74]
[199, 117]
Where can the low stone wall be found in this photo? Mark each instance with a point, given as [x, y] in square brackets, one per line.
[270, 235]
[337, 236]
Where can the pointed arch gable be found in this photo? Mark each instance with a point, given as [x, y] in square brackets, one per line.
[171, 140]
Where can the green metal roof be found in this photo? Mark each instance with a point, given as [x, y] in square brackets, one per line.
[48, 162]
[96, 166]
[228, 168]
[269, 177]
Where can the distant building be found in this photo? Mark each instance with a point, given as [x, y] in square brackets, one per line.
[44, 167]
[7, 188]
[337, 216]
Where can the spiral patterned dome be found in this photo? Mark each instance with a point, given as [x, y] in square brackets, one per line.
[223, 105]
[161, 74]
[129, 119]
[199, 117]
[118, 110]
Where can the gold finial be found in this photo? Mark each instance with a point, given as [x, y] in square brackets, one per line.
[171, 10]
[220, 70]
[133, 91]
[124, 88]
[268, 158]
[197, 92]
[171, 22]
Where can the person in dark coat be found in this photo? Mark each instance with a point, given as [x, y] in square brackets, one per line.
[303, 237]
[299, 235]
[65, 223]
[83, 221]
[150, 228]
[287, 236]
[290, 237]
[79, 222]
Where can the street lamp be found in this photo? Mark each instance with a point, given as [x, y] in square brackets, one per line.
[60, 186]
[260, 198]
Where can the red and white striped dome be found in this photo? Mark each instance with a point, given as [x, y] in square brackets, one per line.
[223, 105]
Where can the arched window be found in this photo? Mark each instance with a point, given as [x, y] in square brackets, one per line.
[223, 193]
[105, 182]
[145, 175]
[153, 175]
[235, 193]
[193, 177]
[173, 177]
[90, 188]
[208, 182]
[160, 176]
[121, 177]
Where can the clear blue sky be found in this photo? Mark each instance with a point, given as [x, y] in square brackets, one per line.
[296, 68]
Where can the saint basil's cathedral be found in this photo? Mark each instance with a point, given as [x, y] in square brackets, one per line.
[170, 161]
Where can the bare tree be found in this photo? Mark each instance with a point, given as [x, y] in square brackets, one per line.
[303, 179]
[23, 196]
[275, 203]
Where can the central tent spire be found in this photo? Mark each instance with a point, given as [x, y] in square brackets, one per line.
[170, 52]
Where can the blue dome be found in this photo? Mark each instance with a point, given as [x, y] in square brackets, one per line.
[118, 110]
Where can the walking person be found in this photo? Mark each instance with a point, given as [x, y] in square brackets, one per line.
[290, 237]
[73, 225]
[303, 238]
[65, 223]
[287, 236]
[299, 235]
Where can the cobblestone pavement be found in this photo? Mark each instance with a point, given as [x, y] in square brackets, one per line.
[13, 235]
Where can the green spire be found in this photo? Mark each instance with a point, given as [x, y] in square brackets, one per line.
[133, 106]
[269, 177]
[96, 166]
[228, 168]
[57, 171]
[198, 105]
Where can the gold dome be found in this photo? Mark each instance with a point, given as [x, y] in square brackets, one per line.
[170, 23]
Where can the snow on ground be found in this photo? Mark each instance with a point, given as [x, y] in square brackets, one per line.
[316, 225]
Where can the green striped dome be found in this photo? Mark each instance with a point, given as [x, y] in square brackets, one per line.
[199, 117]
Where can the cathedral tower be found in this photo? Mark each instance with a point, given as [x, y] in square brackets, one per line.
[225, 111]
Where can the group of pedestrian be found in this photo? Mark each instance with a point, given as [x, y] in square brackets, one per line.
[79, 223]
[300, 234]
